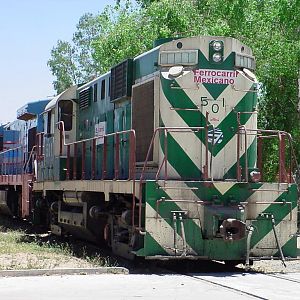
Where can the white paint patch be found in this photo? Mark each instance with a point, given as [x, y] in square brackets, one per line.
[285, 229]
[100, 131]
[191, 144]
[267, 193]
[182, 192]
[223, 187]
[163, 233]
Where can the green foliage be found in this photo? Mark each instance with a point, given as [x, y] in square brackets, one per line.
[87, 31]
[72, 63]
[131, 30]
[270, 27]
[124, 35]
[62, 65]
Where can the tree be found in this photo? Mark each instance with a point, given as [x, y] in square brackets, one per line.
[88, 29]
[131, 30]
[62, 66]
[270, 27]
[72, 62]
[123, 35]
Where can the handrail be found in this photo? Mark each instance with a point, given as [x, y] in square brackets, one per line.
[272, 134]
[212, 147]
[292, 153]
[9, 150]
[115, 134]
[132, 157]
[166, 130]
[241, 130]
[25, 165]
[90, 139]
[238, 171]
[39, 145]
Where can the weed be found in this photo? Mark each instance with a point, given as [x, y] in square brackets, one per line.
[22, 250]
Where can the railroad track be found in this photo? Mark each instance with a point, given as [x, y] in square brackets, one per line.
[214, 266]
[227, 287]
[234, 281]
[240, 284]
[284, 278]
[253, 285]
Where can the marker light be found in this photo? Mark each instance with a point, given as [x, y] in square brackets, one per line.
[217, 57]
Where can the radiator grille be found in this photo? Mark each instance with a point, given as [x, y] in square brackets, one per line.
[143, 118]
[85, 98]
[121, 80]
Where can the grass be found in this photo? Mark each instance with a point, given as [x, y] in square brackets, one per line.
[15, 242]
[22, 248]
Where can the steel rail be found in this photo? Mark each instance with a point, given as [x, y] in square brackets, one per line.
[225, 286]
[283, 278]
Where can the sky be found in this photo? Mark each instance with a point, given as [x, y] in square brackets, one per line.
[29, 29]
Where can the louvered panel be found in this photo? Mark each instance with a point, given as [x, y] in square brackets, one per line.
[121, 80]
[85, 98]
[143, 118]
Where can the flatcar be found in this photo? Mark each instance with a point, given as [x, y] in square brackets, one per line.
[161, 158]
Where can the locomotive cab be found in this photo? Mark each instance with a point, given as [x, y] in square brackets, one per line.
[60, 128]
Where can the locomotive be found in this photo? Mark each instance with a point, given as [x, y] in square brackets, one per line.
[159, 158]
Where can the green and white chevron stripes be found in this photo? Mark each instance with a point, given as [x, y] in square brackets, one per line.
[184, 103]
[198, 233]
[184, 214]
[280, 201]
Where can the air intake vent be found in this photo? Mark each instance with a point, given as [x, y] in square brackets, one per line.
[143, 118]
[85, 98]
[121, 80]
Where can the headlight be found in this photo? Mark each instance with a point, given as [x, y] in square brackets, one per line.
[217, 45]
[216, 51]
[217, 57]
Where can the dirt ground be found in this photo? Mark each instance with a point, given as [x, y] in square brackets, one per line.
[43, 261]
[270, 266]
[25, 247]
[276, 266]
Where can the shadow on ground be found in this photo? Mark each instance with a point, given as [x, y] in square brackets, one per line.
[84, 250]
